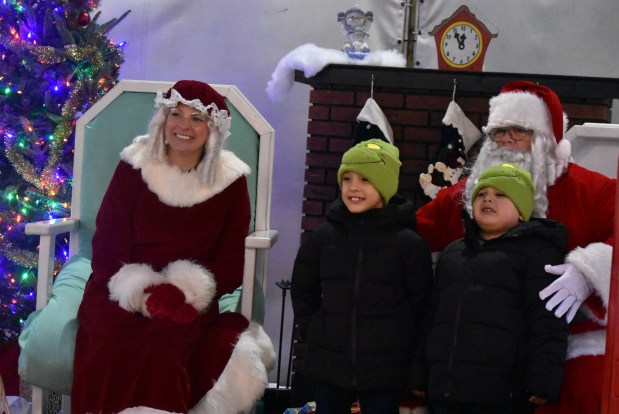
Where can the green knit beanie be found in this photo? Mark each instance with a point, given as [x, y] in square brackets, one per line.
[514, 182]
[378, 162]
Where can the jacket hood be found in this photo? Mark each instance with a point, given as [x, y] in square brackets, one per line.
[399, 212]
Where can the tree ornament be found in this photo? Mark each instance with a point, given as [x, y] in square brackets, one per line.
[51, 71]
[83, 18]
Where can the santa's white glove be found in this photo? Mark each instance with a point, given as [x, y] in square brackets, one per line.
[569, 290]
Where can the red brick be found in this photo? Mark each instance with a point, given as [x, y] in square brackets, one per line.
[318, 112]
[332, 178]
[345, 113]
[340, 129]
[409, 182]
[311, 223]
[304, 234]
[472, 105]
[315, 143]
[427, 102]
[417, 166]
[436, 118]
[313, 208]
[383, 99]
[403, 117]
[315, 175]
[325, 96]
[320, 192]
[592, 112]
[323, 160]
[413, 150]
[397, 132]
[421, 134]
[340, 146]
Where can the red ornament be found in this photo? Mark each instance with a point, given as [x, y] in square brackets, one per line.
[83, 18]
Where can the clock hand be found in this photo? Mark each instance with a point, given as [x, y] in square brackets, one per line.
[460, 39]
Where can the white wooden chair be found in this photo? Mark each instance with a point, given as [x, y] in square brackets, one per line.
[101, 133]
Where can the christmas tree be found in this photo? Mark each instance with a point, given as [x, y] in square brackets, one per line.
[55, 62]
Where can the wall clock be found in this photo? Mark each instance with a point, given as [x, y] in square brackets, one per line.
[461, 41]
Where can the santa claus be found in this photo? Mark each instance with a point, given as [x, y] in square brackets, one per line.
[526, 124]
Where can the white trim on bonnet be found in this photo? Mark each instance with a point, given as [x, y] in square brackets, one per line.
[219, 117]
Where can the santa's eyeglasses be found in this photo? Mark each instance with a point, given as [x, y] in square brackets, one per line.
[515, 132]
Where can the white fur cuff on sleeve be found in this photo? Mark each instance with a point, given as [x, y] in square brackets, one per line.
[594, 261]
[128, 284]
[196, 282]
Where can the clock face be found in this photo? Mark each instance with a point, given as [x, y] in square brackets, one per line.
[461, 44]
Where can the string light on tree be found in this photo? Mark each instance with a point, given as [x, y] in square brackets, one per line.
[55, 62]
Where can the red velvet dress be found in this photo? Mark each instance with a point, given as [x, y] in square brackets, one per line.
[126, 359]
[585, 202]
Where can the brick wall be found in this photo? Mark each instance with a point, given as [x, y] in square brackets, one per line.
[415, 116]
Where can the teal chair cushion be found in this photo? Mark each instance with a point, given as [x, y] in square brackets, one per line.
[48, 340]
[232, 302]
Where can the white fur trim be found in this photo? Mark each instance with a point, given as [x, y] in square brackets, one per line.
[588, 343]
[372, 113]
[522, 109]
[244, 379]
[455, 117]
[219, 117]
[594, 261]
[128, 284]
[563, 150]
[196, 282]
[182, 189]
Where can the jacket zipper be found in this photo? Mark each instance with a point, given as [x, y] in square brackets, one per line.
[353, 330]
[455, 338]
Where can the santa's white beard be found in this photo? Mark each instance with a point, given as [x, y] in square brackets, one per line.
[490, 155]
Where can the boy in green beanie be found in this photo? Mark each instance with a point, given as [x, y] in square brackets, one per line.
[494, 347]
[359, 288]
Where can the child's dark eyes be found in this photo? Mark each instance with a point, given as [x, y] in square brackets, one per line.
[482, 193]
[347, 177]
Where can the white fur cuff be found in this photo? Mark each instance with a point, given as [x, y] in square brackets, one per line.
[196, 282]
[128, 284]
[587, 343]
[594, 261]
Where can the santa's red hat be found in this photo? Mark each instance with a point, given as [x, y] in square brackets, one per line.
[531, 106]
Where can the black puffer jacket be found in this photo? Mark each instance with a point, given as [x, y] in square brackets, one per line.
[493, 341]
[359, 288]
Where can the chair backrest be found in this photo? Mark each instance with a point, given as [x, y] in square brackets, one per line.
[123, 113]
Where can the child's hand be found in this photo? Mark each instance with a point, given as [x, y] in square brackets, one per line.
[537, 400]
[419, 393]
